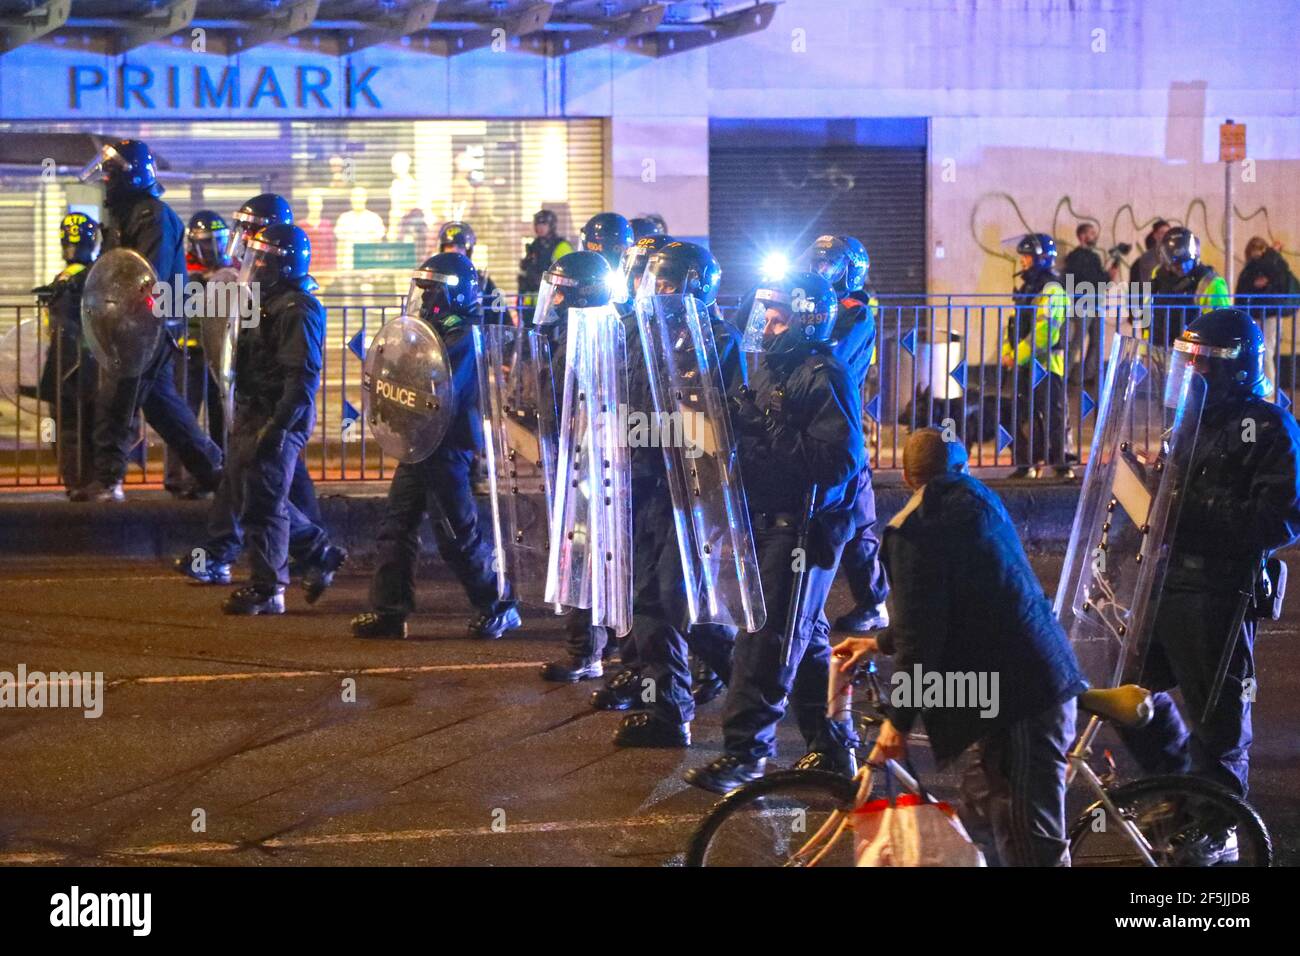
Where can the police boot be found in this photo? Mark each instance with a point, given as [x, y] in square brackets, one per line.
[839, 761]
[726, 774]
[572, 670]
[320, 575]
[492, 624]
[249, 600]
[207, 572]
[706, 686]
[97, 491]
[1065, 473]
[864, 618]
[372, 625]
[621, 692]
[647, 730]
[1024, 471]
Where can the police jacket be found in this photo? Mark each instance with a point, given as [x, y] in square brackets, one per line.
[964, 600]
[278, 360]
[803, 427]
[853, 339]
[538, 256]
[143, 222]
[1034, 329]
[1243, 494]
[465, 433]
[63, 299]
[1176, 301]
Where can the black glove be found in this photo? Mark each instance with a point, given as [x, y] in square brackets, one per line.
[270, 439]
[747, 416]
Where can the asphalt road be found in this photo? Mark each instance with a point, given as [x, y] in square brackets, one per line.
[454, 751]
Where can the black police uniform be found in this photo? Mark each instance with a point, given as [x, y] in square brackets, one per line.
[439, 486]
[69, 376]
[538, 256]
[277, 374]
[1242, 502]
[812, 436]
[659, 646]
[145, 223]
[854, 343]
[1173, 302]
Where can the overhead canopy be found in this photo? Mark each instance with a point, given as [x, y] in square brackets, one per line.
[445, 28]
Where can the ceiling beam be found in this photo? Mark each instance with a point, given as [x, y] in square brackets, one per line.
[389, 29]
[692, 36]
[634, 24]
[298, 16]
[34, 24]
[174, 16]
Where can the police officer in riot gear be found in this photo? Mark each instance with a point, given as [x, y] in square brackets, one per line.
[277, 372]
[800, 433]
[310, 551]
[578, 280]
[1241, 503]
[609, 234]
[206, 238]
[1034, 341]
[439, 486]
[656, 653]
[139, 220]
[68, 377]
[1183, 288]
[853, 341]
[635, 259]
[546, 247]
[459, 237]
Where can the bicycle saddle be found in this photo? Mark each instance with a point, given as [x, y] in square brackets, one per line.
[1129, 705]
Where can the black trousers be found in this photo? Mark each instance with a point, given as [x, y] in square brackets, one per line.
[195, 382]
[438, 487]
[1191, 629]
[307, 536]
[1040, 419]
[1013, 790]
[860, 562]
[260, 483]
[153, 393]
[661, 640]
[68, 383]
[760, 685]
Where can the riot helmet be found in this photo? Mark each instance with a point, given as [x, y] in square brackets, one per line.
[682, 268]
[265, 209]
[457, 236]
[828, 256]
[577, 280]
[636, 258]
[1180, 251]
[797, 308]
[444, 291]
[79, 237]
[207, 237]
[643, 226]
[609, 234]
[1040, 248]
[858, 266]
[125, 167]
[274, 254]
[1227, 348]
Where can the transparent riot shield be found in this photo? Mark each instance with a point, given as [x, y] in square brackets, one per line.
[406, 389]
[118, 314]
[520, 429]
[1128, 509]
[219, 332]
[591, 516]
[692, 427]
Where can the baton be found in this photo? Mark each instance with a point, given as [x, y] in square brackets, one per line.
[800, 574]
[1229, 648]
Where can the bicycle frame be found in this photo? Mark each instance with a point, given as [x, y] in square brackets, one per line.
[1078, 764]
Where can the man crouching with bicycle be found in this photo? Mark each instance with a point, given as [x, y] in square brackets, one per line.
[965, 601]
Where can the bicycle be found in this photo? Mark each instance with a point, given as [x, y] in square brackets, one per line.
[805, 817]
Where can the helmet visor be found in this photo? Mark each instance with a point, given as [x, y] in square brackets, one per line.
[238, 239]
[552, 305]
[631, 270]
[827, 257]
[260, 262]
[1216, 364]
[99, 168]
[427, 298]
[770, 315]
[209, 246]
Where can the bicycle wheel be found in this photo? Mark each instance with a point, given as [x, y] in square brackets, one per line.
[767, 822]
[1183, 819]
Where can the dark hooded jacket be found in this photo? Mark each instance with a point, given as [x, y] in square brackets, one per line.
[964, 599]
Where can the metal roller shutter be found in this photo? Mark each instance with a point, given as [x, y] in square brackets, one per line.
[781, 198]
